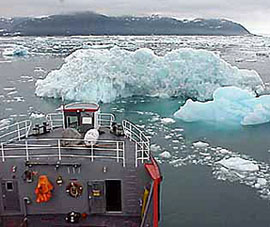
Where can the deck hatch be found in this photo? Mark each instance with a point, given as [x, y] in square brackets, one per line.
[113, 196]
[10, 196]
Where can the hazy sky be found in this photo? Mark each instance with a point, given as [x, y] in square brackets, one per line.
[253, 14]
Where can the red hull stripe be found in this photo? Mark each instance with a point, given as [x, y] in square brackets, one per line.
[154, 172]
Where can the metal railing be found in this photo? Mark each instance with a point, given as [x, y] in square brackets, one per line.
[16, 131]
[31, 149]
[55, 120]
[142, 143]
[105, 119]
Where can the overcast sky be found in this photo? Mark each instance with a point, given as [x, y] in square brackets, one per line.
[253, 14]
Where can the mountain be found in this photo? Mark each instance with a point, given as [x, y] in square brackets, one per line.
[90, 23]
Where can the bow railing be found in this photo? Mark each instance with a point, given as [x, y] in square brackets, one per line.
[142, 143]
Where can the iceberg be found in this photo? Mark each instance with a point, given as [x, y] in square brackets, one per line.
[107, 74]
[229, 105]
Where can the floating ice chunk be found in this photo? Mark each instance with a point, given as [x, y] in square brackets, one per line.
[165, 154]
[37, 115]
[251, 60]
[200, 144]
[15, 51]
[262, 181]
[9, 88]
[239, 164]
[224, 151]
[104, 75]
[179, 130]
[4, 122]
[167, 120]
[175, 141]
[155, 147]
[230, 105]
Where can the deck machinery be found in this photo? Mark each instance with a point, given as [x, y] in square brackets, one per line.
[78, 167]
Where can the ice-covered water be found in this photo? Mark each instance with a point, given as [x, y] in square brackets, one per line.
[200, 188]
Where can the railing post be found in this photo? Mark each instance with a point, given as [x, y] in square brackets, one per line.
[136, 155]
[117, 151]
[26, 150]
[124, 156]
[3, 152]
[142, 146]
[51, 121]
[130, 131]
[92, 152]
[63, 119]
[18, 130]
[26, 130]
[59, 150]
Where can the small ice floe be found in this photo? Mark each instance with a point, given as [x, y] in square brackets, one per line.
[12, 92]
[4, 122]
[224, 151]
[251, 60]
[167, 120]
[165, 154]
[37, 115]
[178, 130]
[155, 118]
[200, 144]
[9, 88]
[261, 181]
[154, 147]
[239, 164]
[26, 77]
[16, 51]
[40, 70]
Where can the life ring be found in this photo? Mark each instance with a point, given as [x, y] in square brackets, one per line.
[74, 189]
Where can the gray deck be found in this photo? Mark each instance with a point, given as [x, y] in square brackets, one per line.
[133, 179]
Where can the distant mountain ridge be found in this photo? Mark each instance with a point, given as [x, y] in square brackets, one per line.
[89, 23]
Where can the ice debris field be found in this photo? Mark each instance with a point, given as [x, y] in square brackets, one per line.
[170, 145]
[226, 165]
[105, 75]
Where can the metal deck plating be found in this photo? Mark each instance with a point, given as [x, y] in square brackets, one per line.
[111, 181]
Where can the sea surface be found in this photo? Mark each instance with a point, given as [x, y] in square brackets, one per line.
[196, 192]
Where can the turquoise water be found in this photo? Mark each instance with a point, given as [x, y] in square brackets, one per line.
[194, 192]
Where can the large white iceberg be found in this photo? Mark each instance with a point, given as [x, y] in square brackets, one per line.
[229, 105]
[104, 75]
